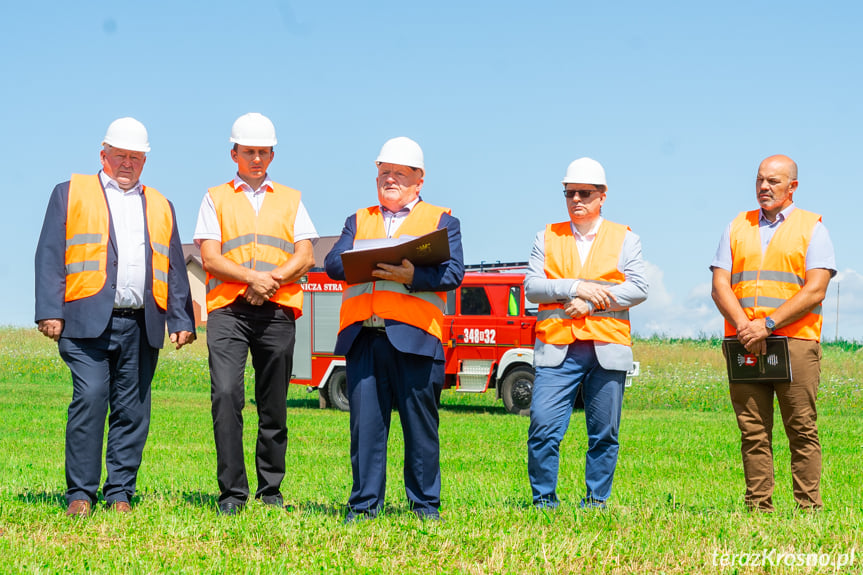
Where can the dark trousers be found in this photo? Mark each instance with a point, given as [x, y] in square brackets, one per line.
[378, 377]
[112, 371]
[267, 332]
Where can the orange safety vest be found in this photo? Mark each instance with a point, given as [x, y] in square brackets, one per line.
[392, 300]
[261, 242]
[562, 260]
[87, 229]
[764, 280]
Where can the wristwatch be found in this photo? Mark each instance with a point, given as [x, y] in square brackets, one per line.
[769, 324]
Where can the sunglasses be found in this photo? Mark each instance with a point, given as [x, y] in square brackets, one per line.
[583, 194]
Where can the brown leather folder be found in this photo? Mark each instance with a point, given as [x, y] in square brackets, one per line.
[428, 250]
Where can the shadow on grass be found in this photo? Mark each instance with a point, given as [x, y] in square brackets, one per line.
[44, 497]
[316, 508]
[459, 408]
[211, 501]
[311, 403]
[200, 499]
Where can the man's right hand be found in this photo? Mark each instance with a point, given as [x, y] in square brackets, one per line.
[576, 308]
[51, 328]
[262, 286]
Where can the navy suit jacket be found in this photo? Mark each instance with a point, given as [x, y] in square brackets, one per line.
[444, 277]
[88, 317]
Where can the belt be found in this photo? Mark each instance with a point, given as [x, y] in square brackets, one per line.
[127, 312]
[375, 330]
[241, 304]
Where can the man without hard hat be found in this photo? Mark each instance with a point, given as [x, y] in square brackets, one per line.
[255, 238]
[585, 273]
[110, 274]
[770, 274]
[394, 354]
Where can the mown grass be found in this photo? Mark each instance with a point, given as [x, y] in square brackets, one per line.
[677, 501]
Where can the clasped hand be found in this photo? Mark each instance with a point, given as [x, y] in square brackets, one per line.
[576, 308]
[599, 295]
[262, 287]
[753, 336]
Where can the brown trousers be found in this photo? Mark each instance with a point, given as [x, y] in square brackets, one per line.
[753, 404]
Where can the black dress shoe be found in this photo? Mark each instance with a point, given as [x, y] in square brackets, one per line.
[358, 517]
[230, 508]
[273, 500]
[429, 516]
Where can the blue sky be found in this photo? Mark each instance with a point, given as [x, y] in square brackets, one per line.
[680, 101]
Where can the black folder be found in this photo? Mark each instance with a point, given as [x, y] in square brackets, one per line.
[744, 367]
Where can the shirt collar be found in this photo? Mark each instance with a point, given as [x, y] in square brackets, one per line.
[266, 185]
[109, 182]
[589, 235]
[402, 212]
[780, 217]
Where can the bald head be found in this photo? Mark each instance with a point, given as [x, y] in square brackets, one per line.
[780, 163]
[775, 185]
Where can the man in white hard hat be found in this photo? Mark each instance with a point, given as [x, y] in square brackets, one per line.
[585, 273]
[255, 237]
[390, 333]
[110, 274]
[770, 274]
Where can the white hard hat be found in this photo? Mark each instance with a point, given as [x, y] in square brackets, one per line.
[253, 129]
[127, 134]
[585, 171]
[402, 151]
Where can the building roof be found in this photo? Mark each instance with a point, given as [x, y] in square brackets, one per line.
[191, 252]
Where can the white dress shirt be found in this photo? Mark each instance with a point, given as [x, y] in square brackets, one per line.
[393, 220]
[208, 227]
[583, 243]
[127, 215]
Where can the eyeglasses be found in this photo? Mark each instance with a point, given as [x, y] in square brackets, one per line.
[583, 194]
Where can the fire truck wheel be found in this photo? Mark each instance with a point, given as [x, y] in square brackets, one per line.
[517, 390]
[337, 389]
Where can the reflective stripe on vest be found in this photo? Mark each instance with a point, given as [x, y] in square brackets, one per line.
[763, 280]
[386, 285]
[87, 229]
[262, 241]
[562, 260]
[391, 300]
[160, 224]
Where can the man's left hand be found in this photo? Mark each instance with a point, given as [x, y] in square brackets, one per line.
[597, 294]
[403, 274]
[181, 338]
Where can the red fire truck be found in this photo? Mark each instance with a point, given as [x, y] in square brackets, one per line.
[488, 337]
[489, 332]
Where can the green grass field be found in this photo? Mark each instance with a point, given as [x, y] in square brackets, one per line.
[676, 508]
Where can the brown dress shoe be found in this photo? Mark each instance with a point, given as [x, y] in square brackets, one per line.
[78, 508]
[121, 507]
